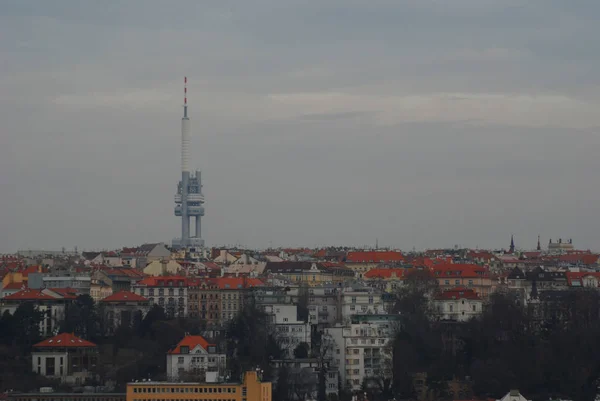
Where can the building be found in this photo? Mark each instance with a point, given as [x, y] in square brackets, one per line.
[189, 200]
[458, 304]
[289, 330]
[168, 292]
[148, 253]
[560, 246]
[304, 377]
[123, 308]
[310, 273]
[252, 388]
[65, 357]
[193, 355]
[362, 261]
[52, 302]
[218, 300]
[361, 348]
[162, 267]
[513, 395]
[464, 275]
[359, 300]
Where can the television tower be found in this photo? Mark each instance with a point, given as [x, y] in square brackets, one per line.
[189, 200]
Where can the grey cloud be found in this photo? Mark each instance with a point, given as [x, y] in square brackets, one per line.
[287, 101]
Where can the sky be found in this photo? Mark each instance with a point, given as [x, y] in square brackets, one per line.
[419, 123]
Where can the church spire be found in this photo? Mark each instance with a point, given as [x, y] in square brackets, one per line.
[539, 247]
[512, 244]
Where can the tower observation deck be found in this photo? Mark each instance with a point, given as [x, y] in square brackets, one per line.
[189, 200]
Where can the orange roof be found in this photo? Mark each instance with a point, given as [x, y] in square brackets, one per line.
[586, 259]
[15, 286]
[164, 281]
[578, 276]
[123, 296]
[36, 295]
[191, 342]
[458, 293]
[31, 269]
[232, 283]
[374, 257]
[64, 340]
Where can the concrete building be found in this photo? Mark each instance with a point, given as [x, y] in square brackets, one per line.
[289, 330]
[65, 357]
[360, 300]
[189, 200]
[194, 355]
[123, 308]
[458, 304]
[148, 253]
[162, 268]
[361, 348]
[252, 388]
[310, 273]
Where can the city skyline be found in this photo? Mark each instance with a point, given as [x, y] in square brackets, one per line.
[420, 124]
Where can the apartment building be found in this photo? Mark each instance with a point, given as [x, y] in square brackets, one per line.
[289, 330]
[361, 348]
[360, 300]
[169, 292]
[458, 304]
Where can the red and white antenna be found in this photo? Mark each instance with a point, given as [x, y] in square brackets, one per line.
[185, 97]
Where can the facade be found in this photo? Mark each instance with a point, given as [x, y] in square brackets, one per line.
[250, 389]
[52, 396]
[195, 356]
[361, 300]
[162, 268]
[123, 308]
[289, 330]
[169, 292]
[218, 300]
[452, 275]
[361, 348]
[65, 357]
[458, 304]
[310, 273]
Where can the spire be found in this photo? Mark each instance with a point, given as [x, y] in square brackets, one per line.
[539, 247]
[512, 244]
[185, 97]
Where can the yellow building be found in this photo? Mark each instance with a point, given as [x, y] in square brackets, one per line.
[251, 389]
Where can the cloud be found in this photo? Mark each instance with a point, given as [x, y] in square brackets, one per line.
[423, 123]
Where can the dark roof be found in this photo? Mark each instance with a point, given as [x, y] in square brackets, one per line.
[516, 274]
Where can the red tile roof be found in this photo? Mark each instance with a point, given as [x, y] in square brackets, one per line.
[164, 281]
[579, 258]
[31, 295]
[15, 286]
[31, 269]
[64, 340]
[124, 296]
[374, 257]
[577, 277]
[191, 342]
[458, 293]
[233, 283]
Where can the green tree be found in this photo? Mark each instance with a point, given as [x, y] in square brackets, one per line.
[81, 318]
[301, 351]
[282, 387]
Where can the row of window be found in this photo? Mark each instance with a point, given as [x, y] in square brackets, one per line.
[209, 390]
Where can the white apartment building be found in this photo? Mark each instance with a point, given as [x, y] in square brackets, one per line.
[458, 304]
[360, 301]
[194, 355]
[362, 348]
[288, 328]
[169, 292]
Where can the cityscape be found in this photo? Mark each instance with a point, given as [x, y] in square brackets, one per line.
[327, 124]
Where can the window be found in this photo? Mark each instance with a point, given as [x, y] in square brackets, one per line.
[456, 281]
[474, 308]
[180, 360]
[353, 300]
[370, 300]
[447, 282]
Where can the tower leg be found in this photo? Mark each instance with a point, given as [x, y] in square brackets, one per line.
[198, 227]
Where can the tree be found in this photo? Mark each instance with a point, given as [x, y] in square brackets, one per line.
[81, 318]
[26, 329]
[282, 388]
[301, 351]
[251, 342]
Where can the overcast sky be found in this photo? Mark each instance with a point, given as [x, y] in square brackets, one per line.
[423, 123]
